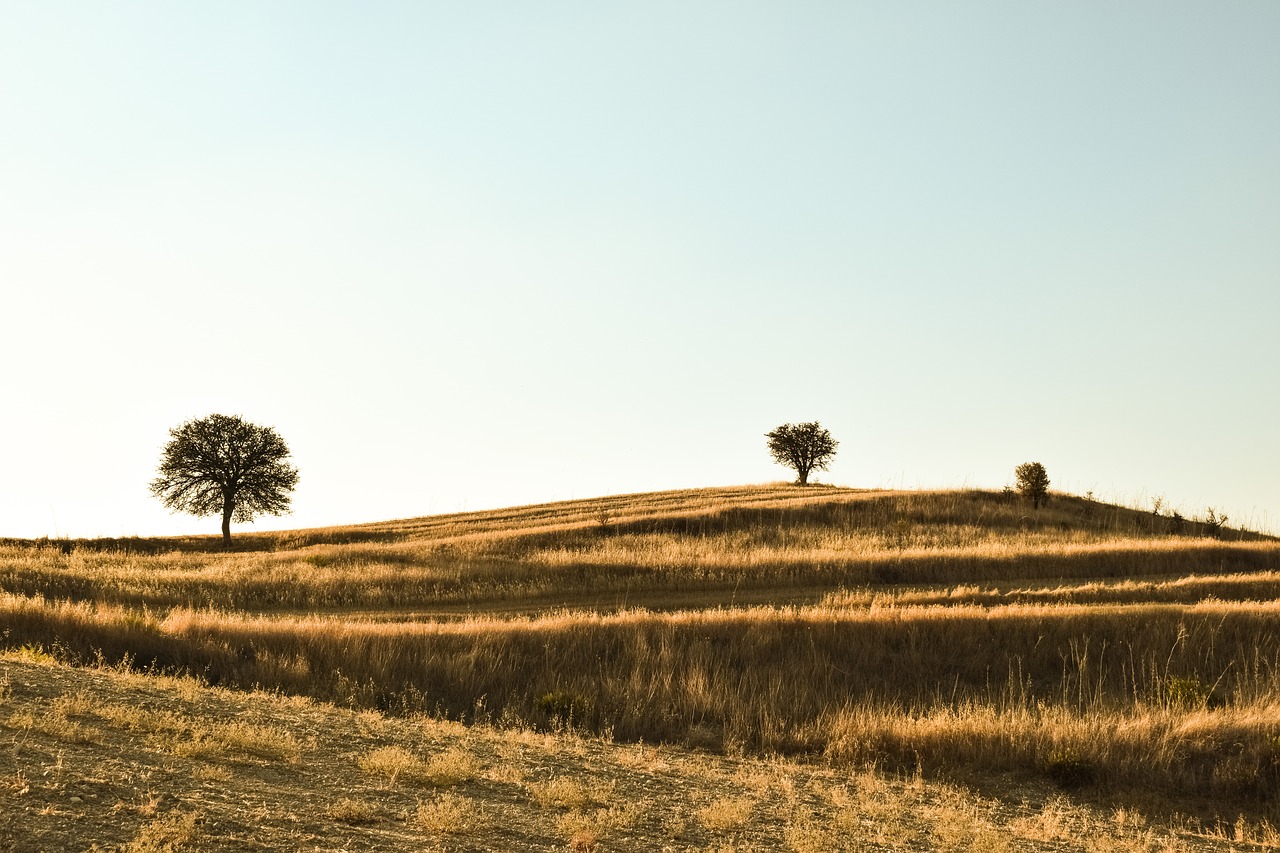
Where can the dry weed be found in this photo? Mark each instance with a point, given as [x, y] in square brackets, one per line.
[212, 773]
[146, 805]
[228, 740]
[805, 833]
[957, 823]
[561, 792]
[454, 766]
[1057, 820]
[582, 831]
[391, 762]
[352, 812]
[1129, 820]
[726, 814]
[55, 725]
[18, 784]
[450, 814]
[172, 833]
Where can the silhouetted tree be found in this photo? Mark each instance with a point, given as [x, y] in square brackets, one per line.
[804, 447]
[1033, 482]
[222, 464]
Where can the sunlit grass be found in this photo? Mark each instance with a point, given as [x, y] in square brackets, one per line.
[935, 629]
[648, 550]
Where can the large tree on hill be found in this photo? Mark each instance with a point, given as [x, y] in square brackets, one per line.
[1033, 482]
[804, 447]
[222, 464]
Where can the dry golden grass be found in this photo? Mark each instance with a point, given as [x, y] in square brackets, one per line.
[653, 550]
[726, 814]
[172, 833]
[449, 814]
[352, 812]
[1051, 695]
[563, 793]
[953, 631]
[235, 739]
[391, 763]
[454, 766]
[122, 794]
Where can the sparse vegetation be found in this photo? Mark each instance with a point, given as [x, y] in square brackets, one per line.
[1213, 523]
[448, 814]
[726, 814]
[561, 792]
[172, 833]
[353, 812]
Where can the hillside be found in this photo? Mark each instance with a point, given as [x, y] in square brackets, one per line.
[1101, 651]
[669, 550]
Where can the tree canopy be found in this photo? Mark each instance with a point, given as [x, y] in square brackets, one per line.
[1033, 482]
[804, 447]
[223, 464]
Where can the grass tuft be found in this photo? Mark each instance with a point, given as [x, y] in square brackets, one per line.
[352, 812]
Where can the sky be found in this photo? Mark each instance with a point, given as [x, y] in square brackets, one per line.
[472, 255]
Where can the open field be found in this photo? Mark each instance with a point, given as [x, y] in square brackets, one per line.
[1096, 650]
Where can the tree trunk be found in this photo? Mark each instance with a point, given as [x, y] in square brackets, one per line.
[804, 476]
[227, 509]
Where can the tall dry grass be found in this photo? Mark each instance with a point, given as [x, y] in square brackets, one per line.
[949, 629]
[1023, 686]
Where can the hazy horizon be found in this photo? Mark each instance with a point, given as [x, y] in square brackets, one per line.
[481, 256]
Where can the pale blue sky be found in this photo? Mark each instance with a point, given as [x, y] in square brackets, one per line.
[468, 255]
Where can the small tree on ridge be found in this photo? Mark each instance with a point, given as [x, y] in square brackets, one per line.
[1033, 482]
[804, 447]
[222, 464]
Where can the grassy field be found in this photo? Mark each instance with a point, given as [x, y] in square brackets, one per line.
[1108, 653]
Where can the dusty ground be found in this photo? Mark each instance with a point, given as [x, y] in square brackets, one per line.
[99, 759]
